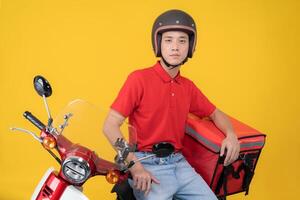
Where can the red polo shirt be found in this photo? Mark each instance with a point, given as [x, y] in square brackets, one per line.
[157, 105]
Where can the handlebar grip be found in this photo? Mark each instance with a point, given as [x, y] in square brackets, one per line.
[35, 121]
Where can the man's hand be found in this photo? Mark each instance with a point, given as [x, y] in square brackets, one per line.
[232, 147]
[142, 178]
[230, 143]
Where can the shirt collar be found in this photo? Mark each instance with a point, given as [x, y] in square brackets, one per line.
[161, 72]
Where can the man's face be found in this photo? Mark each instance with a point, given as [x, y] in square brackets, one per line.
[174, 46]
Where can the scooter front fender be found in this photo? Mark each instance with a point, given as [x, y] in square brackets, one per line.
[53, 187]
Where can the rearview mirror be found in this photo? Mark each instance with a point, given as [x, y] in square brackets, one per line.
[42, 86]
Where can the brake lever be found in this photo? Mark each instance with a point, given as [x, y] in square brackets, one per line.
[29, 132]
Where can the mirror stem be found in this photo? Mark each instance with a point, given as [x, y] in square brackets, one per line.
[48, 111]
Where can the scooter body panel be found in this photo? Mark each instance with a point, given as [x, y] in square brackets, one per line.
[52, 187]
[72, 193]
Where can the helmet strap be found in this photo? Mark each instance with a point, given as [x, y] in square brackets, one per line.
[173, 66]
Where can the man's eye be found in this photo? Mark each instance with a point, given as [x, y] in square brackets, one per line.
[182, 41]
[167, 40]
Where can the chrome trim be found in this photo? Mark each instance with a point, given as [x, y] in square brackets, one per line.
[76, 169]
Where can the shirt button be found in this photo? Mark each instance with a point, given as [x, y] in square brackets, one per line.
[173, 94]
[172, 81]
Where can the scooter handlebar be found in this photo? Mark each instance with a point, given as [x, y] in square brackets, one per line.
[35, 121]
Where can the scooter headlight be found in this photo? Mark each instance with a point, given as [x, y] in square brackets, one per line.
[76, 169]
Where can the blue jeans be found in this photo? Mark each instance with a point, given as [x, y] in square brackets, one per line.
[177, 179]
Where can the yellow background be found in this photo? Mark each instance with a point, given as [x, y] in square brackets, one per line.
[246, 62]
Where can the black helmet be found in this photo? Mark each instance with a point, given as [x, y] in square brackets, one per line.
[173, 20]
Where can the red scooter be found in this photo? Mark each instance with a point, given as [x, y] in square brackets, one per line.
[77, 162]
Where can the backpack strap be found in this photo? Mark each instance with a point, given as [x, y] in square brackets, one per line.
[247, 166]
[227, 170]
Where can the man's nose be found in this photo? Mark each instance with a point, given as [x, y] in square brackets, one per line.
[174, 46]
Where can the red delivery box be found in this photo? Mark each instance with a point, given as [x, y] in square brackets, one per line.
[202, 145]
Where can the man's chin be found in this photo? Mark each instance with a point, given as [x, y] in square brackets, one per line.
[174, 63]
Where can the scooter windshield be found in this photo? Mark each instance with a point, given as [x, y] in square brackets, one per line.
[82, 122]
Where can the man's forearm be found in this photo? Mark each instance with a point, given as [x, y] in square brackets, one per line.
[230, 145]
[111, 130]
[112, 133]
[222, 122]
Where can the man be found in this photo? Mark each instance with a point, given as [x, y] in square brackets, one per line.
[157, 101]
